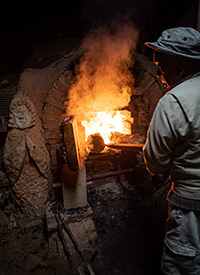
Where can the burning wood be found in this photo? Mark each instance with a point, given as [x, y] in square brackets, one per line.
[95, 143]
[100, 126]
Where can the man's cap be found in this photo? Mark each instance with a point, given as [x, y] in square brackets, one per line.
[180, 41]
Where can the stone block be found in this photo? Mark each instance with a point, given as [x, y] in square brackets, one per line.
[3, 218]
[66, 79]
[51, 112]
[51, 223]
[57, 100]
[38, 82]
[50, 219]
[49, 135]
[53, 155]
[85, 235]
[34, 223]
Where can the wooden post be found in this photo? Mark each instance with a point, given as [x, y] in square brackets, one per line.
[198, 16]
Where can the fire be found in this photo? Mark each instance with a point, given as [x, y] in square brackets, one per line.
[105, 123]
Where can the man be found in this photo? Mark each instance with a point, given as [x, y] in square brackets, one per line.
[173, 146]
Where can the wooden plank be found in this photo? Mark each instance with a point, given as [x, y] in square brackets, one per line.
[69, 132]
[74, 188]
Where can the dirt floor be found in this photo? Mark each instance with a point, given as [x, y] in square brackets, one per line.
[129, 214]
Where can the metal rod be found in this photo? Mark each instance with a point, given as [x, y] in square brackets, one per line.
[126, 146]
[62, 238]
[89, 267]
[72, 238]
[80, 270]
[110, 174]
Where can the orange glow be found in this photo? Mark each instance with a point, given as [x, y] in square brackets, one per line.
[105, 123]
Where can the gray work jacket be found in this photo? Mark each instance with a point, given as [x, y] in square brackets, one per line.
[173, 140]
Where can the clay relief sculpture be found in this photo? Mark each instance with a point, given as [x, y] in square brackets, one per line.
[26, 159]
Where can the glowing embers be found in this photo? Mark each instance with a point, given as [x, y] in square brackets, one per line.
[101, 126]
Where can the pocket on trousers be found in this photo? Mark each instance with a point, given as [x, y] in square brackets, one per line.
[179, 249]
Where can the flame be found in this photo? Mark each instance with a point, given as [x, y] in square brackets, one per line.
[105, 123]
[104, 81]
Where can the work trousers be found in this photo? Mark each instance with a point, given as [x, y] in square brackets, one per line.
[181, 252]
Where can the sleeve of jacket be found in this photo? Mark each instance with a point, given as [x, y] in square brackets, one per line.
[162, 136]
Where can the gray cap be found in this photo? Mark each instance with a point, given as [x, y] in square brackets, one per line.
[180, 41]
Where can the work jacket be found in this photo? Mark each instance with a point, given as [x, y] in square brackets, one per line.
[173, 139]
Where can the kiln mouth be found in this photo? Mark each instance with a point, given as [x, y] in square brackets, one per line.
[95, 144]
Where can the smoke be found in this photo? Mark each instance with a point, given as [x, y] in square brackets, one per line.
[103, 79]
[96, 12]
